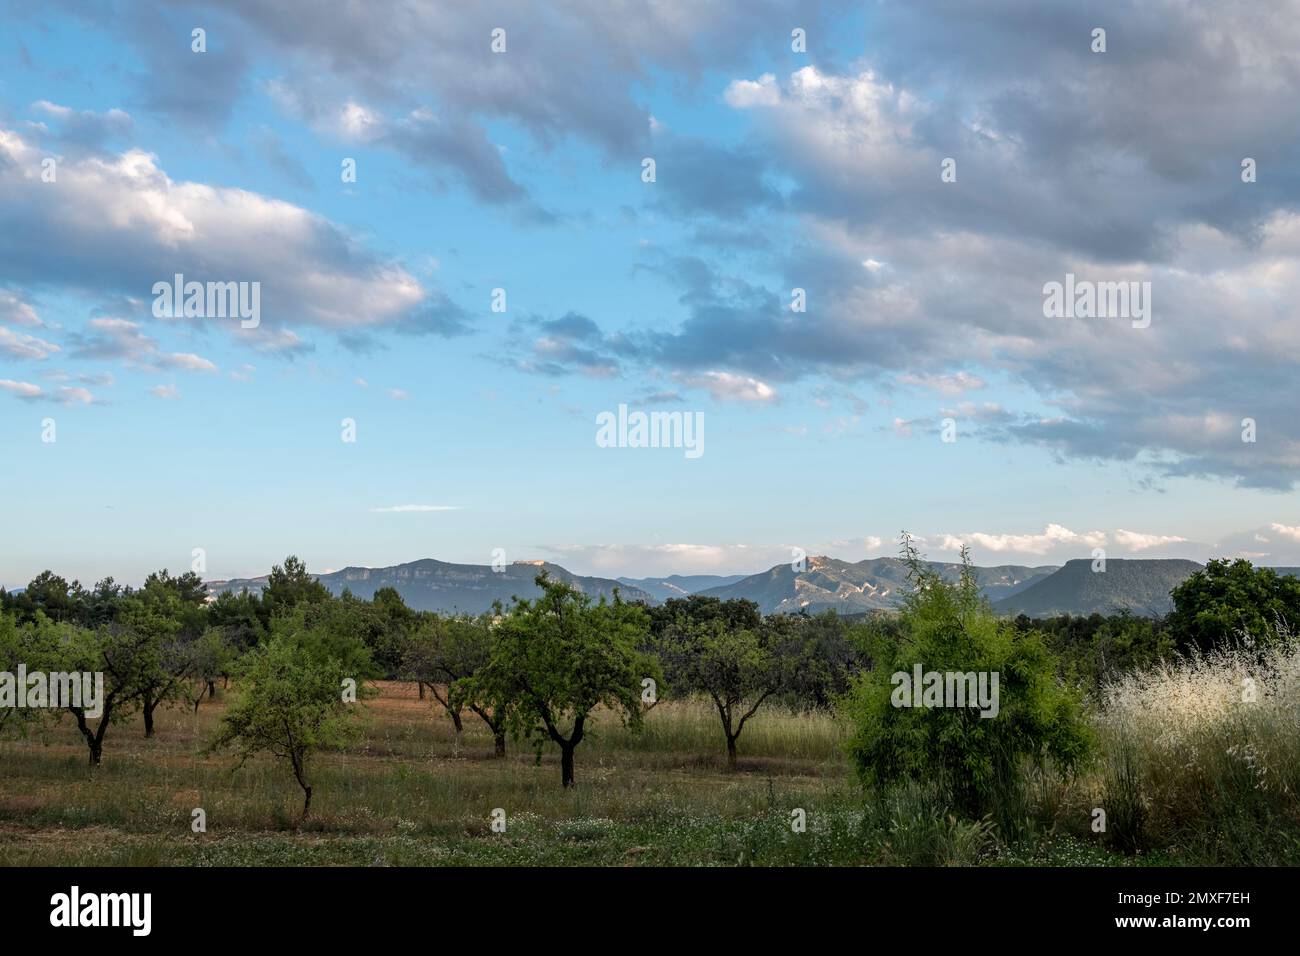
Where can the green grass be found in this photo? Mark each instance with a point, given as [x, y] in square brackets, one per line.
[408, 792]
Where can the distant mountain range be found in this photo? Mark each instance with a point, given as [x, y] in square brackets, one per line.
[430, 585]
[681, 585]
[1141, 586]
[1138, 585]
[872, 585]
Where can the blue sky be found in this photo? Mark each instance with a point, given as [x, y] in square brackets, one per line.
[522, 171]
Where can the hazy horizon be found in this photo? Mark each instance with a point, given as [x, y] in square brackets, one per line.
[614, 573]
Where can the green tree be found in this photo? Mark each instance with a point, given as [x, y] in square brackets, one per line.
[51, 595]
[974, 761]
[168, 613]
[335, 630]
[1227, 601]
[558, 657]
[204, 658]
[16, 649]
[123, 655]
[101, 605]
[738, 668]
[432, 662]
[396, 620]
[289, 703]
[449, 652]
[822, 658]
[288, 586]
[240, 616]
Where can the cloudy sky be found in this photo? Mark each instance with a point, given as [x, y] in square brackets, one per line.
[126, 157]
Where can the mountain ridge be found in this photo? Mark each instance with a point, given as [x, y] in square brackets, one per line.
[428, 584]
[1137, 585]
[872, 584]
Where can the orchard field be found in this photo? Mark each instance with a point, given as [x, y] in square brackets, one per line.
[770, 741]
[408, 792]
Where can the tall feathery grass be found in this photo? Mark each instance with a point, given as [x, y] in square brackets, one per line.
[1203, 754]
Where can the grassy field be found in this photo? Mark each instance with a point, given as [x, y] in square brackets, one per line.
[409, 793]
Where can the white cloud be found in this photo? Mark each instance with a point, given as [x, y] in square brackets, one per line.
[726, 386]
[1290, 532]
[20, 389]
[168, 393]
[15, 311]
[954, 384]
[401, 509]
[21, 346]
[743, 94]
[628, 560]
[187, 361]
[114, 338]
[120, 220]
[358, 122]
[903, 426]
[73, 395]
[1136, 541]
[63, 395]
[1054, 536]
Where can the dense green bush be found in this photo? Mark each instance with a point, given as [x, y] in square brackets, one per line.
[974, 761]
[1228, 601]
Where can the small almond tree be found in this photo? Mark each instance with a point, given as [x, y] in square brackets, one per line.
[206, 658]
[290, 704]
[558, 657]
[736, 668]
[450, 651]
[124, 658]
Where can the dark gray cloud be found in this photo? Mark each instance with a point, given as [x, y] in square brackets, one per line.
[695, 177]
[566, 345]
[570, 68]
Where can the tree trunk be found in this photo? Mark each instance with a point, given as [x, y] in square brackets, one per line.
[499, 739]
[296, 760]
[94, 741]
[724, 712]
[460, 728]
[566, 765]
[421, 686]
[149, 706]
[212, 688]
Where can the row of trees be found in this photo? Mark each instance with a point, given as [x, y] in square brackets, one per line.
[535, 671]
[538, 670]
